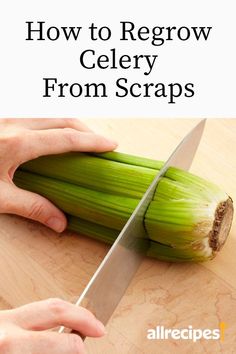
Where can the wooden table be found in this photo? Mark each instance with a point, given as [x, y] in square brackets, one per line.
[37, 263]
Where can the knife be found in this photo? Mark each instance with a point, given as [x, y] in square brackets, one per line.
[111, 279]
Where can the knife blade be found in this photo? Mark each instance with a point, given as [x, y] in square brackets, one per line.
[113, 276]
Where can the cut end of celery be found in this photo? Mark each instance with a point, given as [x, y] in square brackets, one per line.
[221, 225]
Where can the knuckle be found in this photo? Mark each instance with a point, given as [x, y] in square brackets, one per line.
[71, 135]
[97, 141]
[70, 122]
[56, 306]
[36, 210]
[76, 344]
[10, 141]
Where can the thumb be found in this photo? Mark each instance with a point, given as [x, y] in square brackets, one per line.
[33, 206]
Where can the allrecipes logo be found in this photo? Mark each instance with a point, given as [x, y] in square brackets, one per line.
[194, 334]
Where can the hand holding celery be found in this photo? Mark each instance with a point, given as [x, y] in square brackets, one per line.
[25, 139]
[188, 220]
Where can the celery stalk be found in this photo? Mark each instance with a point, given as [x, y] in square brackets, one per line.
[188, 219]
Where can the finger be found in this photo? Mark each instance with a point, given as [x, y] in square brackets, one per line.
[48, 123]
[32, 206]
[53, 141]
[54, 343]
[52, 313]
[18, 341]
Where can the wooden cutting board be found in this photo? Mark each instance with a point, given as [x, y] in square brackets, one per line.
[36, 263]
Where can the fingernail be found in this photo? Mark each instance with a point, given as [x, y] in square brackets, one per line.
[101, 327]
[56, 224]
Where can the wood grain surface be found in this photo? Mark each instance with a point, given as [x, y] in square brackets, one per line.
[36, 263]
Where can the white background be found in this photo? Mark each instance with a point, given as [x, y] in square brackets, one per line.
[210, 65]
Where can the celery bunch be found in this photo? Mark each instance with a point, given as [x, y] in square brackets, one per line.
[188, 219]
